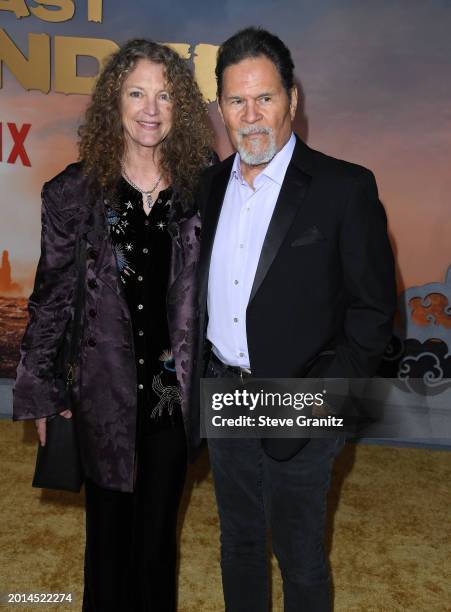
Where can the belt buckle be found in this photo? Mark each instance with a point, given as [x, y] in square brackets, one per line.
[244, 371]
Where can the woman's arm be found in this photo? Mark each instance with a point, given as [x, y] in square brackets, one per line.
[36, 392]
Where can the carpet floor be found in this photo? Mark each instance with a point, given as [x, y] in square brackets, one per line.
[389, 534]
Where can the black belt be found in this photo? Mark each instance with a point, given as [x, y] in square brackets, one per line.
[228, 369]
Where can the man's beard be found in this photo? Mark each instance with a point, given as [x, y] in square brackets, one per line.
[254, 155]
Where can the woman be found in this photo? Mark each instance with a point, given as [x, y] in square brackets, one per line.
[144, 142]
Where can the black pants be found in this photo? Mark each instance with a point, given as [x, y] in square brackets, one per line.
[130, 557]
[255, 493]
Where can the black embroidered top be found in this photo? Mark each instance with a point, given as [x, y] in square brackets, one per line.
[142, 246]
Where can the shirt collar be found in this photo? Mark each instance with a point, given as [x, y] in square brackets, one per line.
[236, 170]
[276, 168]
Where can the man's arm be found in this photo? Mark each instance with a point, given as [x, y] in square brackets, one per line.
[369, 278]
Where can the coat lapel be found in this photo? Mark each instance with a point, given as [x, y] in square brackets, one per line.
[292, 193]
[95, 229]
[101, 257]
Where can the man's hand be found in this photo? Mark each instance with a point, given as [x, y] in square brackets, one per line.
[41, 425]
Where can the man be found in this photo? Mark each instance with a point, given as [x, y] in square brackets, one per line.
[296, 279]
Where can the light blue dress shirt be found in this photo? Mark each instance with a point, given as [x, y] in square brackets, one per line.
[241, 231]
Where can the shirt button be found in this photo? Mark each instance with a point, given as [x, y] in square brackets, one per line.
[140, 278]
[92, 283]
[145, 250]
[146, 222]
[92, 313]
[241, 355]
[141, 361]
[140, 387]
[241, 246]
[236, 282]
[235, 319]
[140, 306]
[92, 342]
[140, 333]
[159, 201]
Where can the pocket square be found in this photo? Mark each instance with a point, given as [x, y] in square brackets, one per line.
[310, 236]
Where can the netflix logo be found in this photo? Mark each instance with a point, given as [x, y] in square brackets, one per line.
[17, 152]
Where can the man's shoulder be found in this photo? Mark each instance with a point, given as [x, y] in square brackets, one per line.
[218, 168]
[332, 167]
[222, 169]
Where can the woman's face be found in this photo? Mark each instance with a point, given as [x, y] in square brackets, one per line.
[146, 106]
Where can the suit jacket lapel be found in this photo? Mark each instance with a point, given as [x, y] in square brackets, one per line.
[292, 193]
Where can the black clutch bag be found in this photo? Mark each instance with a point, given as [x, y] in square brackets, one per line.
[58, 464]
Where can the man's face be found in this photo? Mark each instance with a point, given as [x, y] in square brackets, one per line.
[256, 109]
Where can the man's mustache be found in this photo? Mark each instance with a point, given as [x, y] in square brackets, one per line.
[253, 129]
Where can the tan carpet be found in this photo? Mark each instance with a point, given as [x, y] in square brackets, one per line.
[389, 512]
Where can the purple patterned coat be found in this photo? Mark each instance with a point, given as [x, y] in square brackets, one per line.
[105, 381]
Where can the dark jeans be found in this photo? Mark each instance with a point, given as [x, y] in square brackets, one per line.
[130, 557]
[256, 493]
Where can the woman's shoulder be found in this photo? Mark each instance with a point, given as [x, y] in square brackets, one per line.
[68, 196]
[71, 178]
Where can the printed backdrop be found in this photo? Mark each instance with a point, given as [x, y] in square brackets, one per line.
[376, 91]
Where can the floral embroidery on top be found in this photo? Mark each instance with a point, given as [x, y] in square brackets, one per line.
[168, 360]
[118, 225]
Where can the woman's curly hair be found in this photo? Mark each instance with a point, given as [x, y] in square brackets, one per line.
[186, 150]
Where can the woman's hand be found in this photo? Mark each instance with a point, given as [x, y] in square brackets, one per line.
[41, 425]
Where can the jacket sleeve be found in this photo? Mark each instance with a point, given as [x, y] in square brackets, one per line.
[370, 285]
[36, 392]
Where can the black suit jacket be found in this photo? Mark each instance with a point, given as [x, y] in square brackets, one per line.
[324, 294]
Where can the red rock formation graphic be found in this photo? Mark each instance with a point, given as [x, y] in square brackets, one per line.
[7, 286]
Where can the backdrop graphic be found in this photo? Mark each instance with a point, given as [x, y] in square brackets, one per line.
[376, 91]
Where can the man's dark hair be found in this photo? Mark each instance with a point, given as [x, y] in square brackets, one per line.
[255, 42]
